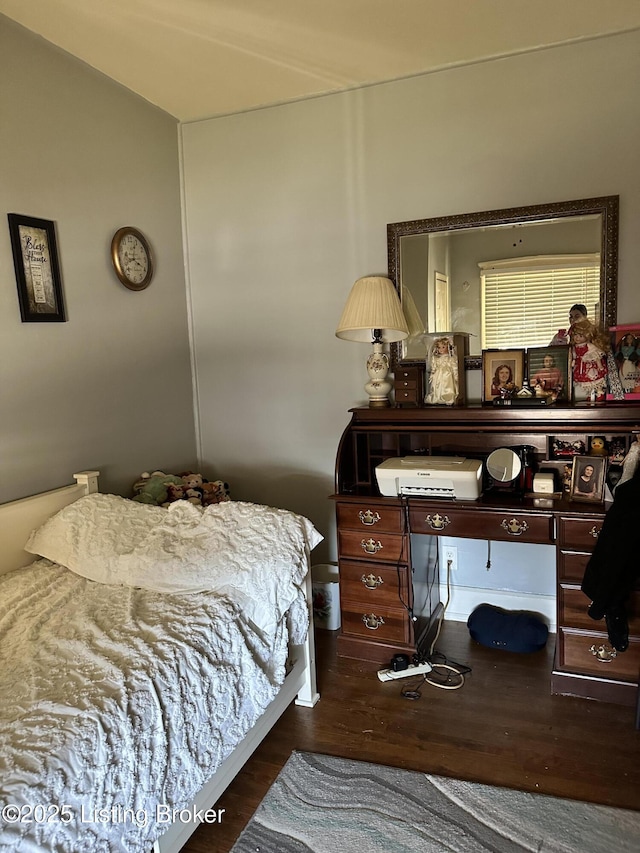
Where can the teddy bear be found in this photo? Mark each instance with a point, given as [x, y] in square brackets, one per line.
[193, 490]
[152, 488]
[175, 492]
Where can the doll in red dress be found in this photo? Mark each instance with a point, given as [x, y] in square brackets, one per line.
[589, 346]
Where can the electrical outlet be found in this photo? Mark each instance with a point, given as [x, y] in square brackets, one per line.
[450, 557]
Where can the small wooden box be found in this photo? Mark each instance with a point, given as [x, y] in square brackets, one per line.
[408, 386]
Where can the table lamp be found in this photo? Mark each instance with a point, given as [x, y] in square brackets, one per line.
[373, 313]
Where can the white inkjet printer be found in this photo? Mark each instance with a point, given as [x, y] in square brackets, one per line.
[453, 477]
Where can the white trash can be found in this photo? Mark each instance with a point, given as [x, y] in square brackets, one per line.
[326, 596]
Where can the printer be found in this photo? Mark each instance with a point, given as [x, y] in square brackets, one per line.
[453, 477]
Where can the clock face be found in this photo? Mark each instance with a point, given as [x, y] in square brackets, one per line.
[131, 258]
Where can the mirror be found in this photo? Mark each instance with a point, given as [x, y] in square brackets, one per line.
[435, 264]
[504, 465]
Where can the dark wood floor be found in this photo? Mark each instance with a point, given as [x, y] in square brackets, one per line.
[502, 727]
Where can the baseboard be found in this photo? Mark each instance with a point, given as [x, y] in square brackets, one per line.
[464, 599]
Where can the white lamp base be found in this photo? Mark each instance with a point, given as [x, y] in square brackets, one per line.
[378, 387]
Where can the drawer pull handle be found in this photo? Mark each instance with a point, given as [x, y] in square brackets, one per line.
[370, 546]
[514, 527]
[594, 532]
[371, 581]
[603, 653]
[437, 521]
[368, 517]
[371, 621]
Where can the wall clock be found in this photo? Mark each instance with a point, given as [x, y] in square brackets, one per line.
[131, 258]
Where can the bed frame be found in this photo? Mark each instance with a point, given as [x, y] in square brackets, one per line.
[19, 518]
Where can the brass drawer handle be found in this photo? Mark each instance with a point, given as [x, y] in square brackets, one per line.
[371, 621]
[594, 532]
[437, 521]
[371, 581]
[514, 527]
[604, 653]
[370, 546]
[368, 517]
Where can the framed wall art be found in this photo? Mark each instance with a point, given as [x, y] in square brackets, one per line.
[549, 371]
[502, 372]
[35, 258]
[625, 349]
[587, 478]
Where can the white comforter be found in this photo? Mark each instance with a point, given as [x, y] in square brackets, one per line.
[91, 680]
[117, 702]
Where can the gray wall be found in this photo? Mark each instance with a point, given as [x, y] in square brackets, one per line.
[286, 207]
[111, 388]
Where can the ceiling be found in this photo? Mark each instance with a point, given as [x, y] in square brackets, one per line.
[198, 59]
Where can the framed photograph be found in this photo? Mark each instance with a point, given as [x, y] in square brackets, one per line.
[587, 478]
[549, 371]
[625, 350]
[35, 258]
[502, 372]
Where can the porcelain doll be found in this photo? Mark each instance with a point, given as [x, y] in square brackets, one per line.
[589, 345]
[443, 373]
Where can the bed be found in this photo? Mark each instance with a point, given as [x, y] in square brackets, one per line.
[144, 654]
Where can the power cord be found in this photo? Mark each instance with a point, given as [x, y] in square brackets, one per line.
[445, 674]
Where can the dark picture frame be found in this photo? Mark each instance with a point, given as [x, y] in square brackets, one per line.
[625, 354]
[588, 485]
[492, 362]
[35, 258]
[549, 372]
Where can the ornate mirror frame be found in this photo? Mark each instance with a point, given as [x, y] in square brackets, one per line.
[606, 207]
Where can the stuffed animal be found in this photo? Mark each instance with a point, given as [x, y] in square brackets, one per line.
[153, 488]
[175, 492]
[215, 493]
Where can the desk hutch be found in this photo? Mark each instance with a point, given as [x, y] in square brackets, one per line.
[380, 613]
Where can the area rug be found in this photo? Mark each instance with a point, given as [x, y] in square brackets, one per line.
[335, 805]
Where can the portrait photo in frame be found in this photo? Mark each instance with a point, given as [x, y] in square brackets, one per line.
[625, 351]
[549, 372]
[35, 258]
[587, 478]
[502, 372]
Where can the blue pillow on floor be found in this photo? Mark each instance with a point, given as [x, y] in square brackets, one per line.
[509, 630]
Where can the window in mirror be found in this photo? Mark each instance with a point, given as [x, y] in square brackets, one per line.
[528, 299]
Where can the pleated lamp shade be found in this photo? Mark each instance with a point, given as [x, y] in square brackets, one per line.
[373, 304]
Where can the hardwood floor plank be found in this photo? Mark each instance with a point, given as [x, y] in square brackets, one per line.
[502, 727]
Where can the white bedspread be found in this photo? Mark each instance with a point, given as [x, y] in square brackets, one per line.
[91, 679]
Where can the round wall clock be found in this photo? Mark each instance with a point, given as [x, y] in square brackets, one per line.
[131, 257]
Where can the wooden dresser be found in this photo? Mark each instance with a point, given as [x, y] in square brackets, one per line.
[381, 611]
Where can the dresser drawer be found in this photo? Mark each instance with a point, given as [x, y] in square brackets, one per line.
[590, 653]
[482, 524]
[571, 566]
[573, 605]
[371, 516]
[407, 395]
[374, 546]
[579, 534]
[376, 623]
[373, 586]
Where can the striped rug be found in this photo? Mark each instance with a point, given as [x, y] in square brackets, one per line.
[320, 804]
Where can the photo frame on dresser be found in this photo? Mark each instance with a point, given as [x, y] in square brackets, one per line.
[549, 372]
[625, 352]
[587, 478]
[502, 372]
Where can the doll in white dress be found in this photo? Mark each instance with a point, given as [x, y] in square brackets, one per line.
[443, 373]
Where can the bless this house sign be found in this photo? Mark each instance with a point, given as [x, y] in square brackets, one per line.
[35, 257]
